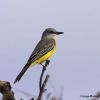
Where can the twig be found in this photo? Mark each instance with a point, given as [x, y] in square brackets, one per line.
[42, 85]
[5, 90]
[43, 70]
[43, 88]
[41, 77]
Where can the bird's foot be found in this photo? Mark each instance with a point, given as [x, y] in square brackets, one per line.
[46, 64]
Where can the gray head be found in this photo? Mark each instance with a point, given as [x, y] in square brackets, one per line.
[50, 33]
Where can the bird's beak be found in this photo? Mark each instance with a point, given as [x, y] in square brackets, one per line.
[58, 33]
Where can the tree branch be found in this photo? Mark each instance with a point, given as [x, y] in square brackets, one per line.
[43, 88]
[42, 83]
[5, 90]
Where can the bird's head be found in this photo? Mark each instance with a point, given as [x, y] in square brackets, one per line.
[50, 33]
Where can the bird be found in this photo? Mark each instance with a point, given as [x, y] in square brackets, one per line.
[43, 50]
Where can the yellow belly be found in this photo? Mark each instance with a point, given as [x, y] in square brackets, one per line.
[44, 58]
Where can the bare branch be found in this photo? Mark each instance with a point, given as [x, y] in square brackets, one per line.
[42, 83]
[43, 88]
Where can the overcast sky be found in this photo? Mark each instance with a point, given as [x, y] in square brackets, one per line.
[75, 66]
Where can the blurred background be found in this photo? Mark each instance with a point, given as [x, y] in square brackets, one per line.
[75, 66]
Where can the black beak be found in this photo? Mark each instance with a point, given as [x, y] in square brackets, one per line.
[58, 33]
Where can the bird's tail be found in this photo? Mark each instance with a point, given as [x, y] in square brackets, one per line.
[21, 73]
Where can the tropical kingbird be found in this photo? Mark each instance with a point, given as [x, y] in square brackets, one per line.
[42, 52]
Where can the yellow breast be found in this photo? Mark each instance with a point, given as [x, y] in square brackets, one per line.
[46, 56]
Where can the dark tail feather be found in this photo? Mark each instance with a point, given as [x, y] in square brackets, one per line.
[21, 73]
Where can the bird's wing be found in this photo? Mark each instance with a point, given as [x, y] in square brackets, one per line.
[43, 47]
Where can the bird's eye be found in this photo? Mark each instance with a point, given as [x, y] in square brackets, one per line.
[51, 32]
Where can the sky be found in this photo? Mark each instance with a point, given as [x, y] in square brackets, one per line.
[75, 66]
